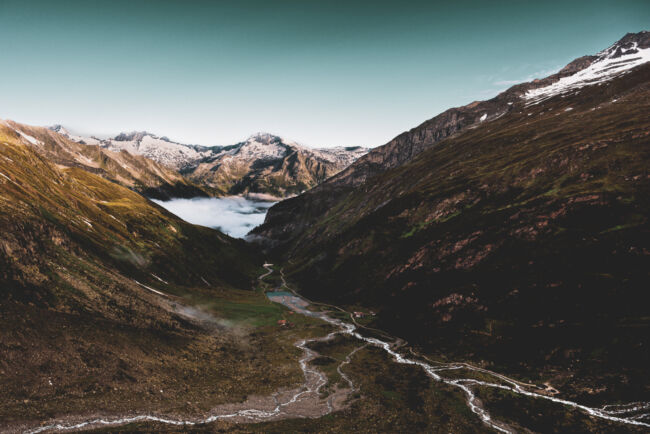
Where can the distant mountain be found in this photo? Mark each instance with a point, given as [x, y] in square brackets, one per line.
[269, 164]
[160, 149]
[133, 171]
[512, 232]
[264, 163]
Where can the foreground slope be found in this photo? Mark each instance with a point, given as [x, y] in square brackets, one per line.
[108, 303]
[520, 242]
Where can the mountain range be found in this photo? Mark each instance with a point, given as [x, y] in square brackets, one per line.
[264, 163]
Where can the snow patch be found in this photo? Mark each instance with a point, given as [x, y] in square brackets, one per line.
[151, 289]
[29, 138]
[605, 68]
[163, 281]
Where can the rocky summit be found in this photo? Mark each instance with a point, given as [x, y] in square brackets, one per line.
[269, 164]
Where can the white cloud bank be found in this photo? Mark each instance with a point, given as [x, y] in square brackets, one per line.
[234, 215]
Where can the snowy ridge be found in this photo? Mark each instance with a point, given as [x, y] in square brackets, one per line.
[264, 146]
[159, 149]
[75, 138]
[23, 135]
[341, 154]
[259, 146]
[269, 164]
[612, 62]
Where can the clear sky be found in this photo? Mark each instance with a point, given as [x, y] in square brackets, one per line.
[322, 73]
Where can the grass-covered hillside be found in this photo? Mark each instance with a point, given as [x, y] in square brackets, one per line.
[522, 243]
[136, 172]
[111, 305]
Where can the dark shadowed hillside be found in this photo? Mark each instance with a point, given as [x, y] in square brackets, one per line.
[520, 241]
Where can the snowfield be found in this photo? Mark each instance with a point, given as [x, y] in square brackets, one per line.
[606, 67]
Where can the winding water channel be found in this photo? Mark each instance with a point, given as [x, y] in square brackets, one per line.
[306, 400]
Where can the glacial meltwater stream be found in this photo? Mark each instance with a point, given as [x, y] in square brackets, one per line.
[305, 401]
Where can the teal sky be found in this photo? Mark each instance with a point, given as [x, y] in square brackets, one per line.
[320, 72]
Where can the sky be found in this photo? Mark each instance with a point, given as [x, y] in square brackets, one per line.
[323, 73]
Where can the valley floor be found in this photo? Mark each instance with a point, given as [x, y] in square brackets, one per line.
[363, 379]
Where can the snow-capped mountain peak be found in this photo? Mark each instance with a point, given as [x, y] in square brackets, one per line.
[224, 168]
[60, 129]
[631, 51]
[132, 136]
[159, 149]
[629, 44]
[266, 146]
[263, 146]
[263, 137]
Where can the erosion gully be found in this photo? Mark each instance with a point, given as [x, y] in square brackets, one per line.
[306, 400]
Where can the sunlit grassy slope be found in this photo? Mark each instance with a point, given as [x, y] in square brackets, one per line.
[133, 171]
[82, 328]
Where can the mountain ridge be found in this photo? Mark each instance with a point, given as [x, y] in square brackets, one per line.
[263, 163]
[132, 171]
[404, 147]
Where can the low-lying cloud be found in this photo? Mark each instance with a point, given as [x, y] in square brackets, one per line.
[234, 215]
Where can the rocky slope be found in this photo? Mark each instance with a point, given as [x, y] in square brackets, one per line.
[631, 51]
[263, 163]
[522, 243]
[135, 172]
[159, 149]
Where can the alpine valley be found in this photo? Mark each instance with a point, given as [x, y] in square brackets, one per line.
[485, 271]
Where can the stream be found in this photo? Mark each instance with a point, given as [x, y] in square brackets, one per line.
[305, 401]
